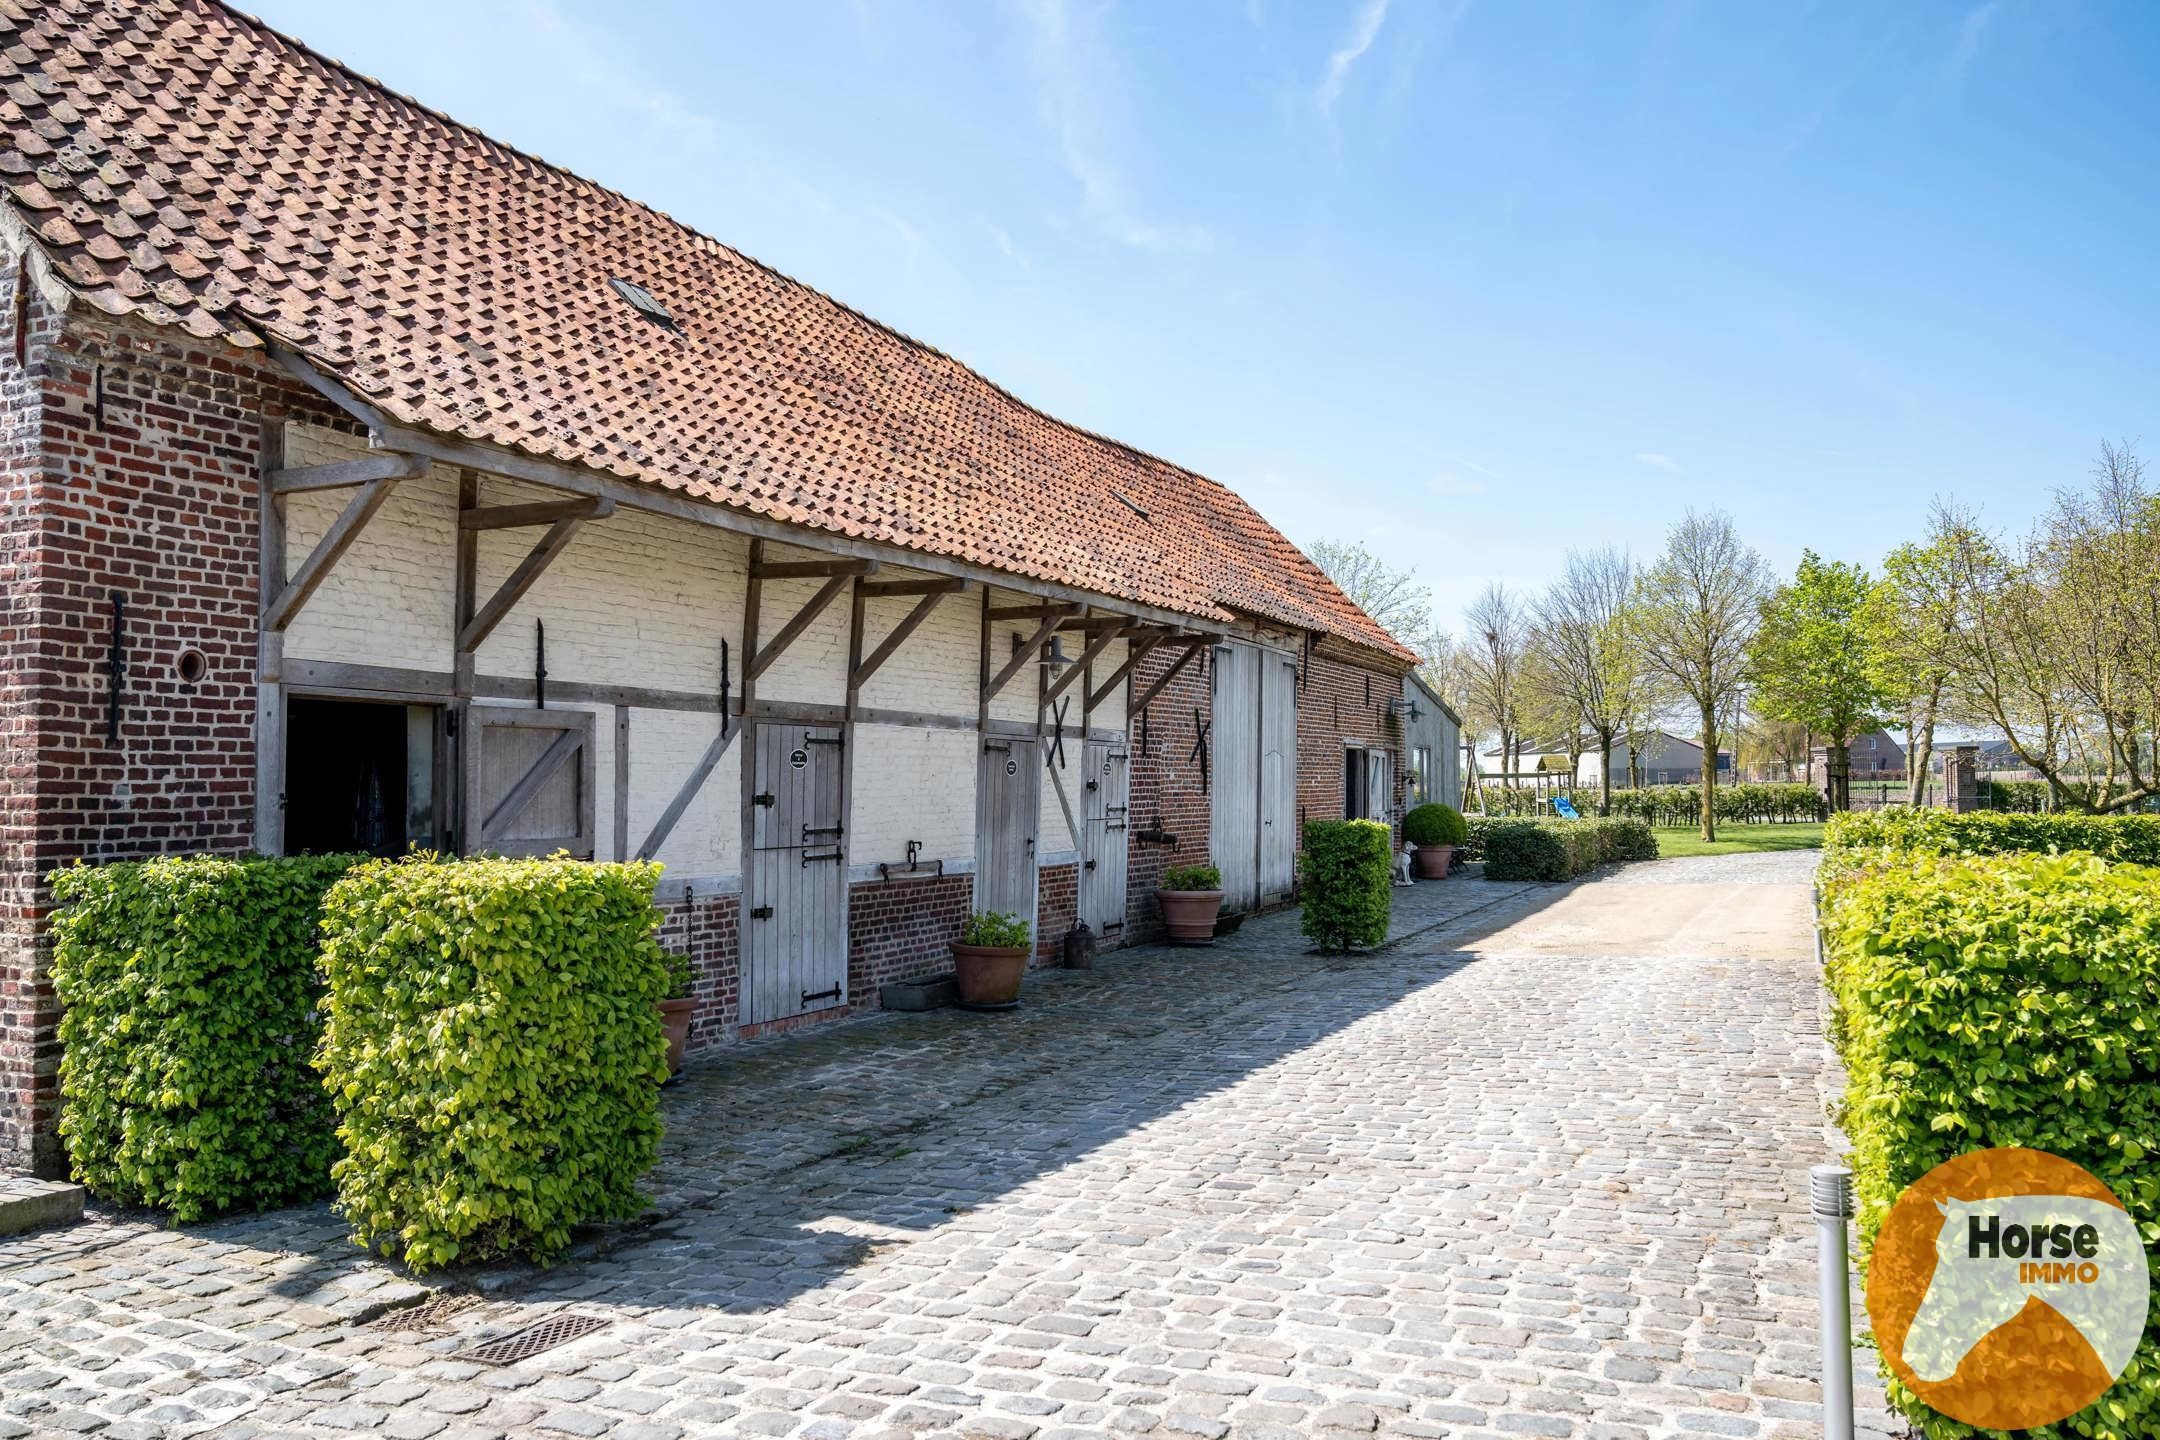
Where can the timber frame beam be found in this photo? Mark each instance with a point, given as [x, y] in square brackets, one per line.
[545, 512]
[762, 660]
[859, 673]
[278, 611]
[1027, 649]
[1138, 652]
[1078, 668]
[343, 474]
[810, 569]
[1140, 701]
[529, 570]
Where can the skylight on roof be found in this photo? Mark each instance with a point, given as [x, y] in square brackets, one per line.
[642, 301]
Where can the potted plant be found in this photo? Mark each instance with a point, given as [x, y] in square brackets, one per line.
[675, 1009]
[1190, 895]
[988, 960]
[1435, 830]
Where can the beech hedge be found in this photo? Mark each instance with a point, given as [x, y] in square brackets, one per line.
[189, 991]
[1344, 880]
[1561, 849]
[2003, 1000]
[492, 1050]
[1852, 839]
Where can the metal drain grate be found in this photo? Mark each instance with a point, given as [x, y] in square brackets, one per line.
[542, 1335]
[428, 1315]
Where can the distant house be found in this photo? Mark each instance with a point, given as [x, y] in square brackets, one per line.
[1667, 759]
[1875, 753]
[1531, 761]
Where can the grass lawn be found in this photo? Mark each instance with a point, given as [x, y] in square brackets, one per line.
[1739, 839]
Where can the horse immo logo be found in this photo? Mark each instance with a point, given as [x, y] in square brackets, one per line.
[2008, 1288]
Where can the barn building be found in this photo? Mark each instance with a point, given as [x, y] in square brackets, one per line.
[370, 484]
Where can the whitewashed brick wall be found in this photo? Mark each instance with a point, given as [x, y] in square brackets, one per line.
[642, 600]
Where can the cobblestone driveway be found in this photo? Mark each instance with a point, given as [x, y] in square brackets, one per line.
[1503, 1179]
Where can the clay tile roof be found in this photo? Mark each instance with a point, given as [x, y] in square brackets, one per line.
[182, 163]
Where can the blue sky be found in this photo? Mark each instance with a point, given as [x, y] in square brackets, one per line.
[1471, 283]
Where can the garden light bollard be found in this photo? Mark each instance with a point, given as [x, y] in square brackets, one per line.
[1830, 1191]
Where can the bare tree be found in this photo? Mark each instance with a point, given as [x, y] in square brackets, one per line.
[1911, 617]
[2056, 641]
[1697, 610]
[1391, 597]
[1586, 652]
[1496, 641]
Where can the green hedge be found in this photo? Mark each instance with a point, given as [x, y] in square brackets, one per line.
[1852, 839]
[2005, 1000]
[188, 992]
[1344, 881]
[493, 1051]
[1561, 849]
[1669, 804]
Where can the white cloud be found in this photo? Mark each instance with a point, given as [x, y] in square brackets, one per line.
[1659, 462]
[1972, 33]
[1364, 29]
[1074, 77]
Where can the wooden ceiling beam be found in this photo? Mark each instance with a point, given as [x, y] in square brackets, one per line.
[544, 512]
[811, 569]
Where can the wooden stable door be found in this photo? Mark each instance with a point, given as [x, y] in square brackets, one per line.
[1278, 841]
[1106, 804]
[1234, 774]
[795, 886]
[1008, 804]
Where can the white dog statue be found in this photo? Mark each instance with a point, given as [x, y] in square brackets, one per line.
[1402, 866]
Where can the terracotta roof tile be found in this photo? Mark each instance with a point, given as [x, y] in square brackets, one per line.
[180, 162]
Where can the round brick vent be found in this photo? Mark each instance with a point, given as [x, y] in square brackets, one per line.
[190, 665]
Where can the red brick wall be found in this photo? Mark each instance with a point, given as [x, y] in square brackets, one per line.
[1057, 906]
[1168, 793]
[706, 929]
[1340, 701]
[898, 929]
[149, 456]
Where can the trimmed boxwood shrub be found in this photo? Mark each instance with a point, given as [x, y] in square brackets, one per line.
[1346, 873]
[2006, 1000]
[188, 992]
[1562, 849]
[493, 1051]
[1435, 824]
[1191, 877]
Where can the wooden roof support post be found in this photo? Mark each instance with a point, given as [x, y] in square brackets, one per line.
[1139, 651]
[859, 669]
[1073, 672]
[467, 581]
[1025, 653]
[512, 590]
[790, 632]
[1140, 702]
[279, 613]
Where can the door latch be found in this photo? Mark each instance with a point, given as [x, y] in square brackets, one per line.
[762, 912]
[766, 799]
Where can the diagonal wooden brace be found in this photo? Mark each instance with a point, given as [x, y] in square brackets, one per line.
[1027, 650]
[280, 610]
[521, 580]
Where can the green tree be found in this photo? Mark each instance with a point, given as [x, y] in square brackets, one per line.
[1695, 617]
[1811, 664]
[1910, 621]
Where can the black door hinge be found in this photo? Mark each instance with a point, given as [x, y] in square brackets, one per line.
[808, 995]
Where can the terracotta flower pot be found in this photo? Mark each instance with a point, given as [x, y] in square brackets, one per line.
[1190, 914]
[675, 1024]
[988, 976]
[1431, 861]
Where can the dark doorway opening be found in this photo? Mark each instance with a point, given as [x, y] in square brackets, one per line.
[359, 776]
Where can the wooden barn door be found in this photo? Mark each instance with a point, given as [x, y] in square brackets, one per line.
[1234, 775]
[528, 782]
[1107, 805]
[1278, 778]
[1008, 800]
[795, 950]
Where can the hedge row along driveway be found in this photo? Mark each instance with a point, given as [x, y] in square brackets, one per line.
[1989, 998]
